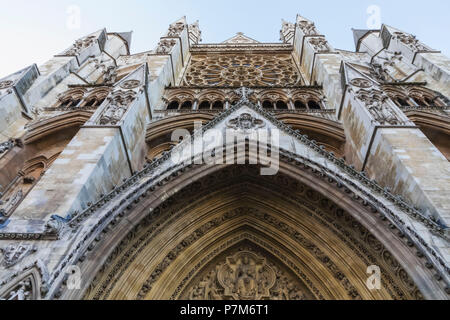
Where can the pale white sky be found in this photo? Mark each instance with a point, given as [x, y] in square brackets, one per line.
[34, 31]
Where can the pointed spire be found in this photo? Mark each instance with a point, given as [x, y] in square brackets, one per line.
[287, 32]
[127, 36]
[306, 26]
[195, 34]
[176, 28]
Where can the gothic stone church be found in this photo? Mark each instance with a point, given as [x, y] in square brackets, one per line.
[93, 207]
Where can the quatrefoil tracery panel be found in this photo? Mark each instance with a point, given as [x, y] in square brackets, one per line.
[237, 70]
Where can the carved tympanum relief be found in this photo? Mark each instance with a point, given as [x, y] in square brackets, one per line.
[236, 70]
[246, 275]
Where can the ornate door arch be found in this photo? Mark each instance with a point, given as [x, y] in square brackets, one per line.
[194, 244]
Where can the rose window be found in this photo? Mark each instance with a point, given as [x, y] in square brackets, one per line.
[237, 70]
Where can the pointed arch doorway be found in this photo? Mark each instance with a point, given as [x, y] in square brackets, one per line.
[232, 234]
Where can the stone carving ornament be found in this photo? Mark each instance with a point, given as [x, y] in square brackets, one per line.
[245, 122]
[130, 84]
[375, 102]
[176, 29]
[245, 276]
[319, 44]
[165, 46]
[411, 41]
[307, 27]
[110, 75]
[361, 83]
[117, 106]
[6, 84]
[13, 254]
[80, 45]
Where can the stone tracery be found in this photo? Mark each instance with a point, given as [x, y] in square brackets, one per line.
[235, 70]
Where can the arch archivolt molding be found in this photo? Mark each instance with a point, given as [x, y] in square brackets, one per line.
[361, 250]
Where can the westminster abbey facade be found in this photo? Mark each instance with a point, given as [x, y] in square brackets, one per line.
[93, 205]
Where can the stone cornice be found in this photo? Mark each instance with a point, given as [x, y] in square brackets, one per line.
[241, 47]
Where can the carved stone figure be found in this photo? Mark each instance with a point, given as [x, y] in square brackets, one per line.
[375, 102]
[117, 106]
[110, 75]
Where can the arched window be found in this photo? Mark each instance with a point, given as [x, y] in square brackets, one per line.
[267, 104]
[91, 103]
[70, 104]
[281, 105]
[299, 104]
[187, 105]
[429, 101]
[313, 105]
[401, 102]
[218, 105]
[418, 101]
[205, 105]
[174, 105]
